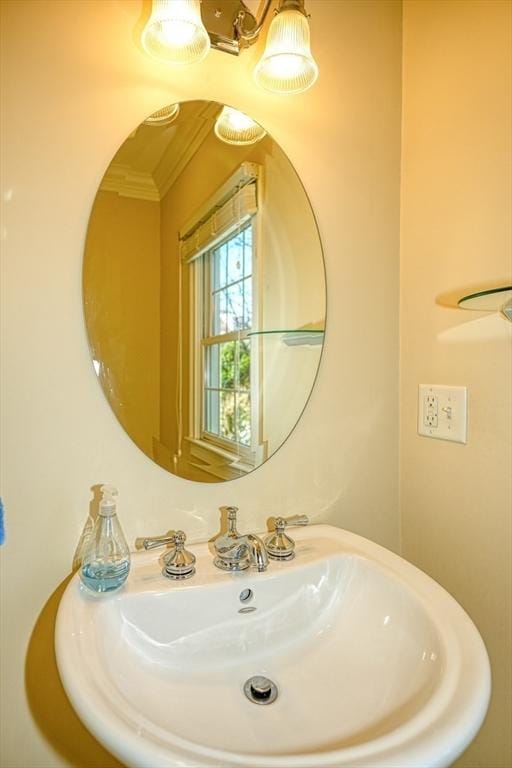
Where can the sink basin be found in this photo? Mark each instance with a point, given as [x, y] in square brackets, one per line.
[374, 663]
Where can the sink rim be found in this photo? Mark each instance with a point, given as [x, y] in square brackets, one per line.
[414, 743]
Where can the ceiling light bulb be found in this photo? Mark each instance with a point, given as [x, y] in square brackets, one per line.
[175, 32]
[287, 65]
[234, 127]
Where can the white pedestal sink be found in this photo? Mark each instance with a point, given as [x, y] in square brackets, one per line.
[375, 664]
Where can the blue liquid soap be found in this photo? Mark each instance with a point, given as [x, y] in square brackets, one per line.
[106, 562]
[105, 577]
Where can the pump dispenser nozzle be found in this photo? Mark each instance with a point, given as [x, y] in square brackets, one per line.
[108, 500]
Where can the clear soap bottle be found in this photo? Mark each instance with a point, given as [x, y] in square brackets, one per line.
[106, 561]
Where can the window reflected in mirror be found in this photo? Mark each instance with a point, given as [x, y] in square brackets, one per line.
[227, 319]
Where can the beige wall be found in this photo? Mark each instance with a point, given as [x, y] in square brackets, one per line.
[456, 204]
[75, 85]
[123, 314]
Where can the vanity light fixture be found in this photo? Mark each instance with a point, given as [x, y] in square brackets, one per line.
[287, 65]
[182, 31]
[175, 32]
[234, 127]
[164, 116]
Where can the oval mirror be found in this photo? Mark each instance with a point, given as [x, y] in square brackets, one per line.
[204, 291]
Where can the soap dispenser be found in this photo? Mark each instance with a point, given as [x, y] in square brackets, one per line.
[106, 561]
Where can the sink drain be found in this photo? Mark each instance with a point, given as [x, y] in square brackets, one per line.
[260, 690]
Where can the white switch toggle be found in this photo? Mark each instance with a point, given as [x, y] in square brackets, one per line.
[442, 412]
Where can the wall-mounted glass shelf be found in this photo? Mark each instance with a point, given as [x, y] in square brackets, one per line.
[295, 337]
[490, 300]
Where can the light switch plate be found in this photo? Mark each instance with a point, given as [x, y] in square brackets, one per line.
[442, 412]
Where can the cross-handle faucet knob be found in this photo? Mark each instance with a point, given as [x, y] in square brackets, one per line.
[285, 522]
[179, 562]
[151, 542]
[278, 544]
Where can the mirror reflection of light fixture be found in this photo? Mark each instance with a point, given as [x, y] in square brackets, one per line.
[234, 127]
[175, 32]
[181, 31]
[163, 116]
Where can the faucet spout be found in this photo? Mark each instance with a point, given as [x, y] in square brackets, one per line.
[235, 551]
[257, 552]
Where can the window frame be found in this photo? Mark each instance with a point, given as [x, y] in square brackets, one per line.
[201, 305]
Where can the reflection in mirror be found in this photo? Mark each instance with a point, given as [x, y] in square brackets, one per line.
[204, 294]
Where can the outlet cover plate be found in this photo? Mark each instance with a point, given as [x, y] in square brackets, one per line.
[442, 412]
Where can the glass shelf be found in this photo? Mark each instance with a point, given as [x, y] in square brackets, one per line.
[295, 337]
[490, 300]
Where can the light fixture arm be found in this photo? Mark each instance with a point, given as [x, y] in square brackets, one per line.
[292, 5]
[248, 37]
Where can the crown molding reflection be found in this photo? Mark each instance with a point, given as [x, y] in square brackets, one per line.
[183, 148]
[162, 168]
[126, 182]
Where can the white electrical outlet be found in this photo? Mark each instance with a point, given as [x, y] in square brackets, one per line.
[442, 412]
[431, 411]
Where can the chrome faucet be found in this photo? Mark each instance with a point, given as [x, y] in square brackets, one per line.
[179, 563]
[236, 552]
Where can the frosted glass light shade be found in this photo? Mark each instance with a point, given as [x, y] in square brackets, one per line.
[287, 65]
[175, 32]
[163, 116]
[234, 127]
